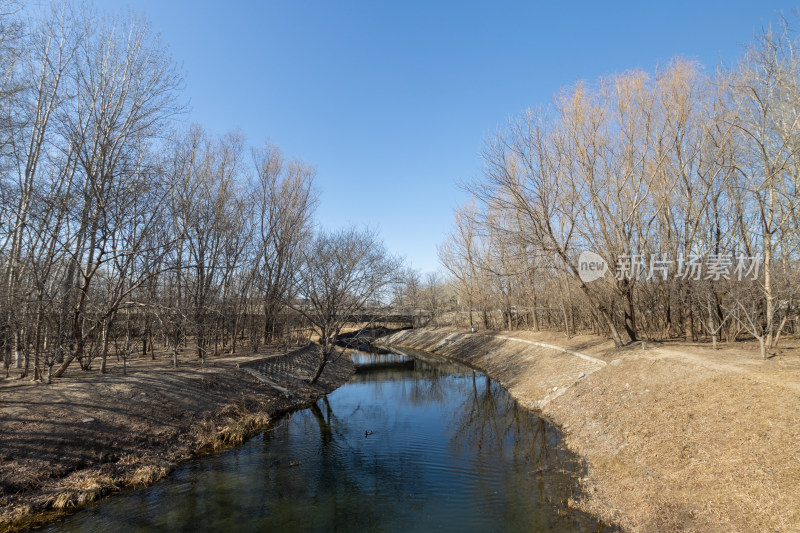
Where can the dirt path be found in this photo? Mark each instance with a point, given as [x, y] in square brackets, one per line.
[676, 437]
[88, 434]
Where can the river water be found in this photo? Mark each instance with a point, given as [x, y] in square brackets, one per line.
[408, 444]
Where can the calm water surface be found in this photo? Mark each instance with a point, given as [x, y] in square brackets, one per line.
[419, 444]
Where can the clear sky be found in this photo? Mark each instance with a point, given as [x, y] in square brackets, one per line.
[391, 101]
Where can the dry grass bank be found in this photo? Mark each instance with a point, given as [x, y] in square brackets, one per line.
[676, 437]
[86, 435]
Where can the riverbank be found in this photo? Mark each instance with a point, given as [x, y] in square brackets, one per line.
[87, 435]
[676, 437]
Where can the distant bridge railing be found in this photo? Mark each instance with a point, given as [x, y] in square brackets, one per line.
[378, 319]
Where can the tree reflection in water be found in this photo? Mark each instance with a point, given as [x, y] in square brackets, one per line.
[407, 445]
[492, 425]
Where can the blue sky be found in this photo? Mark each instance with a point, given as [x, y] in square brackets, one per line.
[391, 101]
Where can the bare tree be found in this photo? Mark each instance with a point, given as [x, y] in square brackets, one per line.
[433, 293]
[526, 172]
[50, 47]
[339, 273]
[458, 255]
[209, 215]
[764, 92]
[125, 90]
[284, 201]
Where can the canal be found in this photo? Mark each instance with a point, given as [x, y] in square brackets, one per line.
[412, 442]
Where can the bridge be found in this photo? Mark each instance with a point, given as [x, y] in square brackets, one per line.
[383, 319]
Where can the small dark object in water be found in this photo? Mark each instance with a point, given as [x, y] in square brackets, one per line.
[367, 433]
[294, 463]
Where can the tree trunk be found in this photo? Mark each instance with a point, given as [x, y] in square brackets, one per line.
[630, 317]
[17, 352]
[778, 332]
[63, 368]
[323, 361]
[104, 357]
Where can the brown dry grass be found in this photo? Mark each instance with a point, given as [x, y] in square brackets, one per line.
[82, 489]
[676, 437]
[147, 475]
[234, 425]
[69, 443]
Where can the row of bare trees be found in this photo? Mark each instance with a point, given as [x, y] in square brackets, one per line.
[684, 183]
[121, 230]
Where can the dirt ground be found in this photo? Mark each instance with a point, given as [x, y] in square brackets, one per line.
[87, 434]
[677, 437]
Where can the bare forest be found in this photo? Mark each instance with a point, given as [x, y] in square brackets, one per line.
[125, 232]
[685, 182]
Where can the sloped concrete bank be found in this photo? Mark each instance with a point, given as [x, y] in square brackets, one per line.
[689, 440]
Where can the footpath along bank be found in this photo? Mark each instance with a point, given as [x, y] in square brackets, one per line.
[677, 438]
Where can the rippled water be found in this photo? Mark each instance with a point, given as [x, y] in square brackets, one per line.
[419, 444]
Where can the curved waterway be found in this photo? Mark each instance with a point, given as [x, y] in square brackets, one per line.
[408, 444]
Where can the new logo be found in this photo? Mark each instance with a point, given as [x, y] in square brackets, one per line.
[591, 266]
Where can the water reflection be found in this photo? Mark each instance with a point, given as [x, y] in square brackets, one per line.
[414, 444]
[374, 361]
